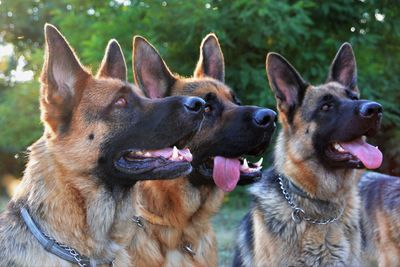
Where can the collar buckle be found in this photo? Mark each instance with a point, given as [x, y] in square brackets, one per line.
[297, 215]
[138, 221]
[187, 247]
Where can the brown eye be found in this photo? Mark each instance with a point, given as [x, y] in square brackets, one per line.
[207, 109]
[326, 107]
[121, 102]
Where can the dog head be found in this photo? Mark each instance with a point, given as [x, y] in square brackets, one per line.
[325, 124]
[229, 130]
[98, 124]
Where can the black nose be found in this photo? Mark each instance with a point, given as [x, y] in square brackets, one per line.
[264, 117]
[370, 109]
[194, 104]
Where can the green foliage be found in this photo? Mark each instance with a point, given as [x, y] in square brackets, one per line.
[20, 119]
[306, 32]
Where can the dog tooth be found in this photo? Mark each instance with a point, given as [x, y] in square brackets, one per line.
[245, 164]
[147, 154]
[338, 147]
[252, 169]
[259, 162]
[175, 153]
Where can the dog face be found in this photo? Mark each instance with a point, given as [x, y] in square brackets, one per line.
[328, 123]
[229, 130]
[98, 125]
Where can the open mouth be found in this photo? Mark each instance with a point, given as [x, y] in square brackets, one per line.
[226, 172]
[168, 162]
[356, 152]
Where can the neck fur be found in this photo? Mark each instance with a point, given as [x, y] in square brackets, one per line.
[310, 175]
[73, 208]
[177, 201]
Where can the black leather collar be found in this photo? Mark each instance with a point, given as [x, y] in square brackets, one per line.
[294, 188]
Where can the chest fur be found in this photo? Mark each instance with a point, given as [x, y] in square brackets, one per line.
[167, 245]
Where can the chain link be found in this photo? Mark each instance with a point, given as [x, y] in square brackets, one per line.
[187, 247]
[298, 214]
[138, 221]
[71, 251]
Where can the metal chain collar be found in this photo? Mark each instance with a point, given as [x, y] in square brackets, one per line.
[78, 257]
[75, 254]
[298, 214]
[56, 248]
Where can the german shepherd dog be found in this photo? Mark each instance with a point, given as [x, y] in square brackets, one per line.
[175, 215]
[380, 195]
[74, 204]
[305, 210]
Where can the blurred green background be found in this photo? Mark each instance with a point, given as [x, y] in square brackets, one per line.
[308, 33]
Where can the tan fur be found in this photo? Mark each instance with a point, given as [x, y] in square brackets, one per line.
[58, 188]
[185, 212]
[293, 153]
[177, 214]
[268, 234]
[270, 251]
[184, 208]
[387, 245]
[61, 190]
[262, 256]
[380, 196]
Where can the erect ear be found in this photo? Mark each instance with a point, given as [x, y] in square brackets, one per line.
[343, 68]
[286, 83]
[113, 64]
[211, 61]
[149, 70]
[62, 79]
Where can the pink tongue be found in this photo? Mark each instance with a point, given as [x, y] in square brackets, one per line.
[369, 155]
[226, 173]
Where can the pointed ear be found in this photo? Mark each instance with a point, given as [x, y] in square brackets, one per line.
[286, 83]
[211, 61]
[62, 78]
[343, 68]
[149, 70]
[113, 64]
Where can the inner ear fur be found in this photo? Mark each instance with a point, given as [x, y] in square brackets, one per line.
[344, 68]
[211, 61]
[62, 80]
[150, 72]
[113, 64]
[286, 83]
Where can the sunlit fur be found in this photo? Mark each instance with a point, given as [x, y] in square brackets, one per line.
[178, 212]
[186, 209]
[67, 201]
